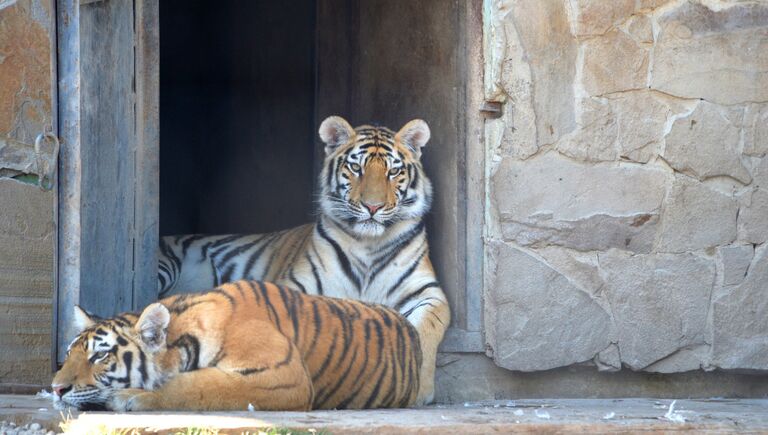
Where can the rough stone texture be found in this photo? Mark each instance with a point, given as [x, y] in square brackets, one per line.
[734, 261]
[640, 28]
[595, 137]
[696, 217]
[595, 17]
[642, 117]
[647, 5]
[717, 55]
[545, 35]
[706, 144]
[659, 303]
[652, 194]
[760, 173]
[527, 322]
[740, 322]
[614, 63]
[753, 217]
[597, 232]
[629, 125]
[581, 268]
[683, 360]
[574, 203]
[756, 130]
[608, 359]
[568, 190]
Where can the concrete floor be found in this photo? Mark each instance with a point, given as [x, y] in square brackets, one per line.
[539, 416]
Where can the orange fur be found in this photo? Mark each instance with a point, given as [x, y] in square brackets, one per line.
[250, 343]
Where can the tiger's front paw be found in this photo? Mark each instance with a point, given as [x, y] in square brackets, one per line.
[132, 399]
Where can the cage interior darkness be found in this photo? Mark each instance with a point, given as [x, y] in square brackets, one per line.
[237, 120]
[245, 84]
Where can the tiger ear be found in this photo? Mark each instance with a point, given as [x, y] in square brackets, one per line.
[152, 325]
[415, 134]
[334, 132]
[82, 320]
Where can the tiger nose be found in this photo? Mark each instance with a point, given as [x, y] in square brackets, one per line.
[61, 390]
[372, 208]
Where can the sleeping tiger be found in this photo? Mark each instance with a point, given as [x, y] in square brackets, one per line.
[242, 343]
[368, 243]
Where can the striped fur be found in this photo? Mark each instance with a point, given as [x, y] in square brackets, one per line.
[246, 342]
[368, 243]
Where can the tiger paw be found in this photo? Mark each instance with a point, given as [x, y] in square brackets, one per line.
[132, 399]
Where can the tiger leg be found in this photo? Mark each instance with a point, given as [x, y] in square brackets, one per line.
[264, 369]
[430, 315]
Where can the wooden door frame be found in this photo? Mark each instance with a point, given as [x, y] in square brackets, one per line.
[69, 249]
[464, 337]
[468, 337]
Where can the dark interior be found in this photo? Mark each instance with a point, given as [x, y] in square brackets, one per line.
[237, 127]
[245, 83]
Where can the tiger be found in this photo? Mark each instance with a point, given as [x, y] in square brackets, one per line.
[242, 344]
[368, 242]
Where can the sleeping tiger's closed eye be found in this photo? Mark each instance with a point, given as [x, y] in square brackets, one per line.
[99, 356]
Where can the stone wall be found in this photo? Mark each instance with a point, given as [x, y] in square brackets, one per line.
[628, 178]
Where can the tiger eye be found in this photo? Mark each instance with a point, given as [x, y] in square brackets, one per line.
[354, 166]
[395, 171]
[99, 357]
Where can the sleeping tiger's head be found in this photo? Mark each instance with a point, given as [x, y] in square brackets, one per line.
[110, 354]
[372, 177]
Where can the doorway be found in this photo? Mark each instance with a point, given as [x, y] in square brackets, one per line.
[242, 88]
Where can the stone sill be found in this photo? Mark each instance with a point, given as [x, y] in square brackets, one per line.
[526, 416]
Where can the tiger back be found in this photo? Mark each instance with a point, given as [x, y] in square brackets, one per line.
[243, 343]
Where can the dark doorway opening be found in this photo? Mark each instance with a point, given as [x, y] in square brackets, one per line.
[244, 85]
[237, 126]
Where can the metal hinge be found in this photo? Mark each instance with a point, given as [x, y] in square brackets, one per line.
[46, 165]
[492, 109]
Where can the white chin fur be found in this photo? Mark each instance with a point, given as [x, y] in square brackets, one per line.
[369, 229]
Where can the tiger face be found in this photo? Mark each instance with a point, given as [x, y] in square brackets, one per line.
[372, 177]
[108, 355]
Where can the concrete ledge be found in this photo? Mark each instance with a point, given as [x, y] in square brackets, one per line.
[523, 416]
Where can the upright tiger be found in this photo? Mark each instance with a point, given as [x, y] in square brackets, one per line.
[243, 343]
[368, 243]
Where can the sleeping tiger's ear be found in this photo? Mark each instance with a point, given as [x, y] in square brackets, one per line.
[152, 325]
[415, 134]
[334, 132]
[82, 320]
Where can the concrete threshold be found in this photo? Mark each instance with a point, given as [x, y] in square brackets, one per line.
[518, 416]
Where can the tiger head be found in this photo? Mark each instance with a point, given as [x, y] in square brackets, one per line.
[109, 354]
[372, 177]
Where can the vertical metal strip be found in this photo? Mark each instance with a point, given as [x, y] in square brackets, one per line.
[67, 287]
[147, 170]
[56, 130]
[475, 166]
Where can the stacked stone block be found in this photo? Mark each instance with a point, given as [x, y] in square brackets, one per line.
[628, 188]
